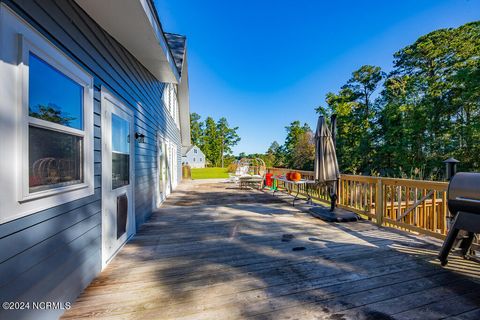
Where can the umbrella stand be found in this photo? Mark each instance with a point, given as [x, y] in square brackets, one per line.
[333, 196]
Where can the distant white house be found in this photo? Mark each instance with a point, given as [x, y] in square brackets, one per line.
[193, 156]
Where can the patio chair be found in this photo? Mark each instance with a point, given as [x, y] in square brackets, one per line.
[240, 172]
[255, 176]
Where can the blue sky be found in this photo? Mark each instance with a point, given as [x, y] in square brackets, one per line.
[263, 64]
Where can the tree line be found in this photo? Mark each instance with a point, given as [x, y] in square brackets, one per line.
[214, 138]
[406, 122]
[296, 152]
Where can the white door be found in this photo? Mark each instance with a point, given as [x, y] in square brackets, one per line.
[118, 220]
[174, 165]
[162, 170]
[167, 168]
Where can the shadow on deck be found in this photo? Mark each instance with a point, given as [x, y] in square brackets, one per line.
[215, 252]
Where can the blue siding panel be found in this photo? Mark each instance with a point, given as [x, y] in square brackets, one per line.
[54, 254]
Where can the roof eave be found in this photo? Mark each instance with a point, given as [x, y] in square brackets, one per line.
[144, 38]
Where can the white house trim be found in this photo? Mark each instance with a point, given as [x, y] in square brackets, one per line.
[133, 23]
[119, 109]
[17, 40]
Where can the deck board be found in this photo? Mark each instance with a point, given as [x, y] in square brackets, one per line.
[215, 252]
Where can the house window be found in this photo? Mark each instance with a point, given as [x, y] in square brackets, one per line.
[120, 152]
[194, 150]
[47, 122]
[200, 159]
[55, 104]
[193, 159]
[170, 102]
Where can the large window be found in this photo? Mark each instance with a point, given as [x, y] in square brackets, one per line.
[46, 122]
[55, 153]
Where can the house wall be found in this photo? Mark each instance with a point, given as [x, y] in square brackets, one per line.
[193, 159]
[54, 254]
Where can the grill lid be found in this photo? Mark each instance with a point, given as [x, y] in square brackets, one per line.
[464, 193]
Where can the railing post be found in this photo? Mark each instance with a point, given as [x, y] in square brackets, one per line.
[379, 201]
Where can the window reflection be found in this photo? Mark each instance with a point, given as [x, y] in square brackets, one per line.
[120, 152]
[55, 159]
[53, 96]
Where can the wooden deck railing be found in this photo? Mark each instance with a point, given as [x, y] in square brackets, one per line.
[414, 205]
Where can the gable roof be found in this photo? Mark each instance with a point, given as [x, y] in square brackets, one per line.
[186, 150]
[176, 43]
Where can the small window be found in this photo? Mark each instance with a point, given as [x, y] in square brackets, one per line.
[120, 152]
[193, 159]
[194, 150]
[200, 159]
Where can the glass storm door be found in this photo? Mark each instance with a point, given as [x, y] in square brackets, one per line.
[118, 222]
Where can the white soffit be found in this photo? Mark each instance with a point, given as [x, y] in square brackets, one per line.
[133, 24]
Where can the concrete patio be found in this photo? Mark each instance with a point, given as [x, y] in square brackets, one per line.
[213, 251]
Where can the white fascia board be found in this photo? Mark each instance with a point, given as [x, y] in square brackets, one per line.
[184, 104]
[134, 25]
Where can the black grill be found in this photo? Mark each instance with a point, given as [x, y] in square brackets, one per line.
[464, 205]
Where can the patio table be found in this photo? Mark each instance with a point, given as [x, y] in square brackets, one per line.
[289, 185]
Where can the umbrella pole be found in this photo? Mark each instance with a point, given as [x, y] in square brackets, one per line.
[333, 193]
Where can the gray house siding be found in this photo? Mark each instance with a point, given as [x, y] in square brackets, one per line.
[54, 254]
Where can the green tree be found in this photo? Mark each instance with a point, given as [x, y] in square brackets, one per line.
[227, 136]
[216, 139]
[427, 110]
[274, 155]
[362, 85]
[52, 113]
[356, 112]
[294, 132]
[211, 145]
[196, 129]
[304, 151]
[431, 103]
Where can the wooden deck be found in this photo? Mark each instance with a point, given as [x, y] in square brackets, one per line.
[215, 252]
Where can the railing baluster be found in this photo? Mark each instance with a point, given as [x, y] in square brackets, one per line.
[434, 212]
[392, 203]
[385, 199]
[424, 208]
[399, 200]
[407, 202]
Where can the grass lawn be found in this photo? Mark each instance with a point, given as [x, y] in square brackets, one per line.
[209, 173]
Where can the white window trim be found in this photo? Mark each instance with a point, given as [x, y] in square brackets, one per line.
[20, 202]
[170, 102]
[176, 116]
[57, 59]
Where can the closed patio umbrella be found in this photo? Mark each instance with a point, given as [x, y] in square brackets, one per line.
[327, 172]
[326, 164]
